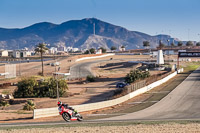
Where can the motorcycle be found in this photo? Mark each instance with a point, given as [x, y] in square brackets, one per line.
[69, 115]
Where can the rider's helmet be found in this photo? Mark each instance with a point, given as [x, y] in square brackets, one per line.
[59, 103]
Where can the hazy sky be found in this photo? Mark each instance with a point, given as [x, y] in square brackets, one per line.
[178, 18]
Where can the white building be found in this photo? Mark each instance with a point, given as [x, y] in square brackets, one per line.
[75, 49]
[53, 50]
[21, 54]
[71, 49]
[99, 51]
[61, 48]
[3, 53]
[16, 54]
[122, 48]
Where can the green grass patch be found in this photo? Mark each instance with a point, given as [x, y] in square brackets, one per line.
[6, 92]
[191, 66]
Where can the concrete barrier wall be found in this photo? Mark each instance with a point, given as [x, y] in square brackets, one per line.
[46, 112]
[94, 57]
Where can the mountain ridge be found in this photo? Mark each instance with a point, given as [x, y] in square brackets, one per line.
[76, 33]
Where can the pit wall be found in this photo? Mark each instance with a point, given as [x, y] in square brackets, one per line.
[47, 112]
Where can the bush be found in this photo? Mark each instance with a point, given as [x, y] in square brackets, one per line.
[90, 78]
[48, 88]
[26, 88]
[135, 75]
[4, 104]
[30, 87]
[29, 105]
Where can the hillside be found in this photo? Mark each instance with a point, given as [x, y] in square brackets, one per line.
[76, 33]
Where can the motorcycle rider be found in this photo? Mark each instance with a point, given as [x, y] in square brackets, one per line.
[60, 104]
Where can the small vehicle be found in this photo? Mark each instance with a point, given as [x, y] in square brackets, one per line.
[69, 115]
[121, 85]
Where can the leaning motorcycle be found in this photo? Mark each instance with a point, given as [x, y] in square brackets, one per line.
[69, 115]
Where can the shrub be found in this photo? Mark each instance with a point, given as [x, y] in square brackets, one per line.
[26, 88]
[30, 87]
[90, 78]
[135, 75]
[4, 104]
[48, 88]
[29, 105]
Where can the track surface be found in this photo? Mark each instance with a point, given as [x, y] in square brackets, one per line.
[182, 103]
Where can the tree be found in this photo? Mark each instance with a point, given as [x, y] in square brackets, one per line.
[146, 44]
[189, 43]
[92, 50]
[180, 43]
[41, 48]
[86, 52]
[113, 48]
[135, 75]
[172, 44]
[103, 49]
[161, 45]
[198, 44]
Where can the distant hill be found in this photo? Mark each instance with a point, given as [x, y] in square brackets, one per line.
[77, 33]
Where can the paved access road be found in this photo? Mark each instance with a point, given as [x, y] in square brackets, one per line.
[182, 103]
[82, 70]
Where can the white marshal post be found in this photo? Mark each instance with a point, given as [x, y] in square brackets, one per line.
[160, 59]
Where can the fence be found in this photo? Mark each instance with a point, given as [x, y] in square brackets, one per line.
[136, 86]
[143, 83]
[7, 71]
[11, 70]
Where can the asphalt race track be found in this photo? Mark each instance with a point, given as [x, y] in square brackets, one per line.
[182, 103]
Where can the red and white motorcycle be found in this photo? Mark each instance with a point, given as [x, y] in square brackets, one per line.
[69, 115]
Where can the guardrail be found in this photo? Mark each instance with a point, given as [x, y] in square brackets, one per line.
[46, 112]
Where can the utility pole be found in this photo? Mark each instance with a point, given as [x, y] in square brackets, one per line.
[94, 28]
[56, 74]
[19, 61]
[168, 51]
[57, 87]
